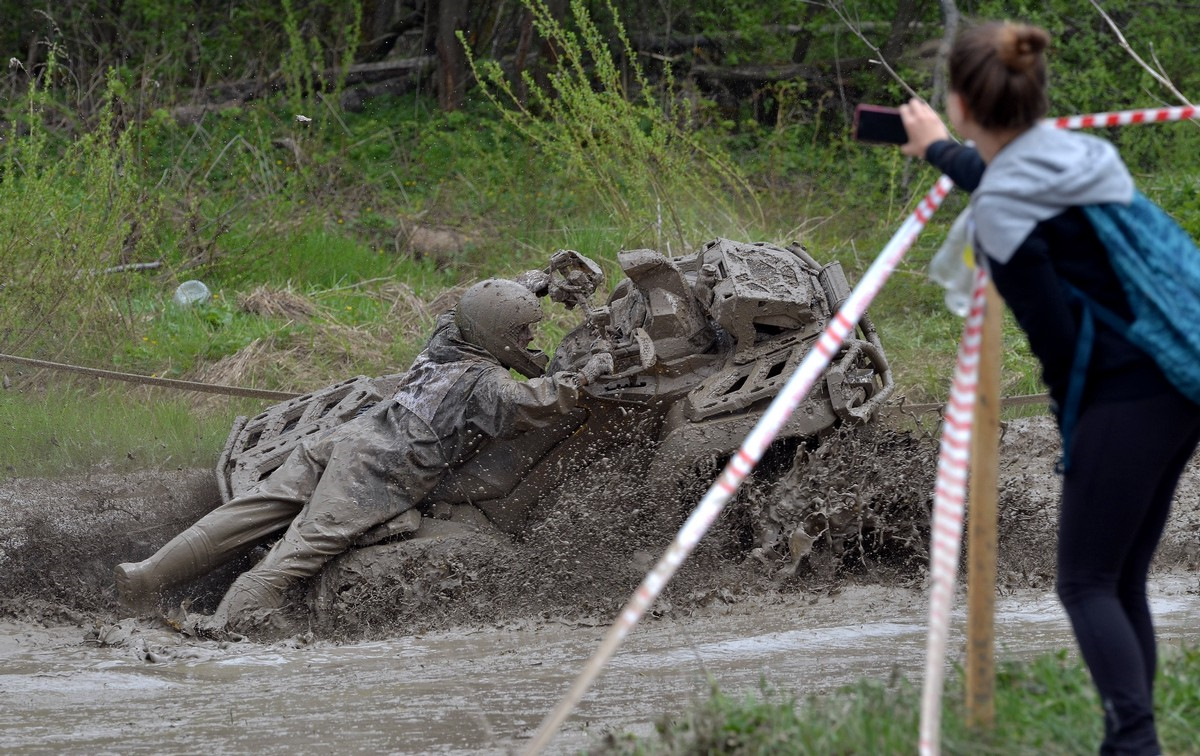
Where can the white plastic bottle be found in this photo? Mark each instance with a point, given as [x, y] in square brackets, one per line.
[191, 293]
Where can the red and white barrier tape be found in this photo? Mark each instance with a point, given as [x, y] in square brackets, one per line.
[949, 505]
[742, 463]
[946, 538]
[1124, 117]
[950, 492]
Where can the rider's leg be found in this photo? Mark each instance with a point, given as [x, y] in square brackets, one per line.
[223, 534]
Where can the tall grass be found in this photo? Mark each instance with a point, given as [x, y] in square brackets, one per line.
[601, 122]
[594, 156]
[75, 427]
[68, 214]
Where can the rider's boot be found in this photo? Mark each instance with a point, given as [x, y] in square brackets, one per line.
[300, 553]
[191, 554]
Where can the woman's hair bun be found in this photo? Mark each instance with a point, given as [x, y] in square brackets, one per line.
[1019, 46]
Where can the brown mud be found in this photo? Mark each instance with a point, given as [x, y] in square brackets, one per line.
[130, 688]
[812, 578]
[863, 494]
[852, 509]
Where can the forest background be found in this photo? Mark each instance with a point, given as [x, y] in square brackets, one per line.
[333, 169]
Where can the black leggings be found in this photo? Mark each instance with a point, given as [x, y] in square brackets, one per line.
[1126, 458]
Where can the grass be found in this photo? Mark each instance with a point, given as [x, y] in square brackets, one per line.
[77, 427]
[249, 198]
[330, 228]
[1045, 706]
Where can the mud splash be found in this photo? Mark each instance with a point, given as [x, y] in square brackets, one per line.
[851, 509]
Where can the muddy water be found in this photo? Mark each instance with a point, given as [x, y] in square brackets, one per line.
[476, 691]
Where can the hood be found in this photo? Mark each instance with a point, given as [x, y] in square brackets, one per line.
[1038, 175]
[446, 344]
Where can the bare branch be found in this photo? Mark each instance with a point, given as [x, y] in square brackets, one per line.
[839, 9]
[951, 17]
[1161, 78]
[837, 67]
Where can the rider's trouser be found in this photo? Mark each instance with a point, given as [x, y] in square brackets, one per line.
[327, 493]
[223, 534]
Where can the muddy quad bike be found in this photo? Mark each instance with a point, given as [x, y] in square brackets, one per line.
[701, 345]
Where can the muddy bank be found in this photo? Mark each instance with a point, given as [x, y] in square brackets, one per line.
[60, 538]
[853, 510]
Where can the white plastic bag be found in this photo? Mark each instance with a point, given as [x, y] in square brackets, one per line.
[953, 267]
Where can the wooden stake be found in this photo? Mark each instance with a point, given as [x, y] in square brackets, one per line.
[981, 524]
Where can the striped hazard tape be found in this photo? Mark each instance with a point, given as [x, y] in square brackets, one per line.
[1125, 118]
[810, 370]
[949, 506]
[953, 460]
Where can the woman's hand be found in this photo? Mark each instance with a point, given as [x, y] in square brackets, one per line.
[923, 125]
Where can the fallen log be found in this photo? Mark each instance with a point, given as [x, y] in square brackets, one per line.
[762, 74]
[390, 76]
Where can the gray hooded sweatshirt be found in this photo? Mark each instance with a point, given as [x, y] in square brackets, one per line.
[1033, 238]
[1039, 175]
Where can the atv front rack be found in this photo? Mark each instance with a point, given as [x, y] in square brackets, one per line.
[258, 446]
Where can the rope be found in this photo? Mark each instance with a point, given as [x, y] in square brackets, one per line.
[1020, 400]
[216, 388]
[949, 507]
[206, 388]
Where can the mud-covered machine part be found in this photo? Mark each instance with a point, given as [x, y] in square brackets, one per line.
[702, 343]
[257, 446]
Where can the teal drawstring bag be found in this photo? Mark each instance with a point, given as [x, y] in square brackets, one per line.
[1158, 265]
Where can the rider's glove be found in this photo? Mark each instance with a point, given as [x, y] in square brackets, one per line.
[537, 281]
[597, 365]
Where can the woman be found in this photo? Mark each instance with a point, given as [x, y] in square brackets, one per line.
[1133, 432]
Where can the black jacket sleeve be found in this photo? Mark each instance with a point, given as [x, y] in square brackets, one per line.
[1062, 248]
[962, 164]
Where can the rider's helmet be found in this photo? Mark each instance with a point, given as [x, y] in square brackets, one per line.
[499, 316]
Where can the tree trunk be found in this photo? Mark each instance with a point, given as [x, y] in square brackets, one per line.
[523, 44]
[549, 56]
[487, 25]
[951, 17]
[430, 27]
[452, 60]
[907, 12]
[377, 20]
[384, 23]
[804, 38]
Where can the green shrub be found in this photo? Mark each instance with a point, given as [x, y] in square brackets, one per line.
[619, 143]
[67, 218]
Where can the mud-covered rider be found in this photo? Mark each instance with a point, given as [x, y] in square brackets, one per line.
[457, 396]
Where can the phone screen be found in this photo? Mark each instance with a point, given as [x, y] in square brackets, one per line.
[879, 125]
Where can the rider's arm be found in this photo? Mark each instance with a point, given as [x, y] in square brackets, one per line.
[502, 406]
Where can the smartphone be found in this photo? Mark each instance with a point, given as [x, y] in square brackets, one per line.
[878, 125]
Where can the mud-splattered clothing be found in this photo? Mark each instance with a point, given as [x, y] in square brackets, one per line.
[1135, 432]
[454, 399]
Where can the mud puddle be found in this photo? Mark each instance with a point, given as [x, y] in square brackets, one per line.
[734, 612]
[480, 691]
